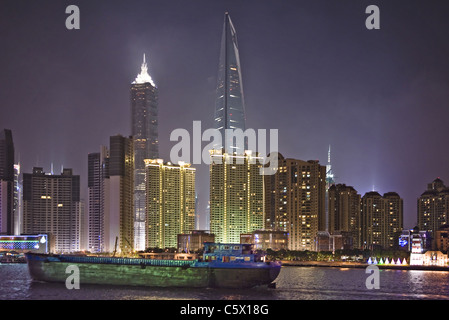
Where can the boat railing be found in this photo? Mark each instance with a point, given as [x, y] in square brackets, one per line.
[127, 261]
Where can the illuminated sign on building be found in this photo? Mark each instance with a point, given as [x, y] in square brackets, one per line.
[37, 243]
[417, 245]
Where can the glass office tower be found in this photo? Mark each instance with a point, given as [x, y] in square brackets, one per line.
[144, 118]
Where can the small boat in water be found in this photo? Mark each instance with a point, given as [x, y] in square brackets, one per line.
[221, 266]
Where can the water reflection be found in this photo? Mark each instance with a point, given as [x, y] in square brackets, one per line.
[293, 283]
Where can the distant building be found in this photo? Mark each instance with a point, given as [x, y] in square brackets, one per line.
[295, 201]
[323, 241]
[429, 258]
[339, 240]
[330, 181]
[415, 240]
[442, 238]
[170, 205]
[97, 173]
[266, 239]
[344, 211]
[433, 206]
[51, 205]
[119, 218]
[342, 240]
[236, 195]
[6, 182]
[381, 220]
[110, 197]
[394, 219]
[194, 240]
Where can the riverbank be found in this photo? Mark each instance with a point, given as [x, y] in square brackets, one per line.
[336, 264]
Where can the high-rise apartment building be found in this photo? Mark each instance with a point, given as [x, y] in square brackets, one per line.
[372, 220]
[51, 205]
[120, 196]
[381, 220]
[144, 125]
[433, 207]
[170, 202]
[6, 182]
[97, 173]
[394, 219]
[236, 195]
[295, 201]
[344, 211]
[230, 102]
[111, 194]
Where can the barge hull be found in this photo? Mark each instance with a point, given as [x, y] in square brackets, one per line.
[194, 275]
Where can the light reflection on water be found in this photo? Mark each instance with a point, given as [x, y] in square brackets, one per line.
[293, 283]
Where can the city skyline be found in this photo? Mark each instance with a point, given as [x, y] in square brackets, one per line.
[378, 97]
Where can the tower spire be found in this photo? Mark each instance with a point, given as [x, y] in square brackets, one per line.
[143, 76]
[229, 102]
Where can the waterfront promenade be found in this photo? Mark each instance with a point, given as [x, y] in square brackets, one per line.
[338, 264]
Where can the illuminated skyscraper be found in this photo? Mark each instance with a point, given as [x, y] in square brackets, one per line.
[295, 201]
[170, 202]
[230, 103]
[236, 195]
[144, 115]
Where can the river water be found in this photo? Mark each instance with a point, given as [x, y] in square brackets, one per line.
[293, 283]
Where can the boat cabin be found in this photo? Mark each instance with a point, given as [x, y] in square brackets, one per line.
[231, 252]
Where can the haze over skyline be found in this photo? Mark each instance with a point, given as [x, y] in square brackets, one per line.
[310, 69]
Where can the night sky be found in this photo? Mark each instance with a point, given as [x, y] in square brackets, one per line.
[311, 69]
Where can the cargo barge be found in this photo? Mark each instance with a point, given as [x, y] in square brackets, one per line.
[221, 266]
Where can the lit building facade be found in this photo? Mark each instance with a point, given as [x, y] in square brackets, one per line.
[381, 220]
[170, 202]
[51, 205]
[433, 206]
[442, 238]
[344, 211]
[295, 201]
[266, 239]
[394, 219]
[236, 195]
[144, 125]
[194, 241]
[372, 217]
